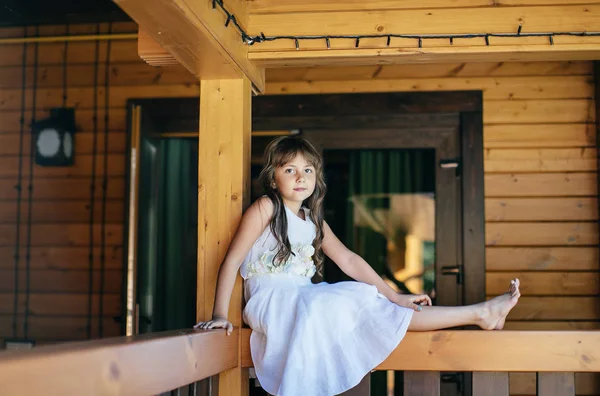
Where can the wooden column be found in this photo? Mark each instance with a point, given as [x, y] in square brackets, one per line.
[223, 193]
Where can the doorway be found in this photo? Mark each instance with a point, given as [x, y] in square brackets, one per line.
[373, 143]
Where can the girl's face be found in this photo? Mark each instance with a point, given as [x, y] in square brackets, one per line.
[295, 181]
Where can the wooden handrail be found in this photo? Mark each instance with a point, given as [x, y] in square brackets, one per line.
[159, 362]
[138, 365]
[505, 351]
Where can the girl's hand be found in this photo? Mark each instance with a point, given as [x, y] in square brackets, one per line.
[215, 323]
[413, 301]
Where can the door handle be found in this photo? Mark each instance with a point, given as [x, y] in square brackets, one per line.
[456, 270]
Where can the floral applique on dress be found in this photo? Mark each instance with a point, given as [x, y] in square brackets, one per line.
[300, 262]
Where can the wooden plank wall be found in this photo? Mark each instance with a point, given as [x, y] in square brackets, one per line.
[56, 303]
[540, 179]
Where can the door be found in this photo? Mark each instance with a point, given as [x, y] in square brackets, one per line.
[161, 280]
[450, 123]
[396, 224]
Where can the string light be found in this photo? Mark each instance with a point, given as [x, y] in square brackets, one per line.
[251, 40]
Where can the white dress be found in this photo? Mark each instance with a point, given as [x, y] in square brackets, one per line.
[313, 339]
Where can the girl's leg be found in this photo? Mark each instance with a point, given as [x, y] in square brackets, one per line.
[489, 315]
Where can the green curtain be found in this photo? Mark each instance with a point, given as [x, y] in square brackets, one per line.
[167, 253]
[178, 240]
[381, 172]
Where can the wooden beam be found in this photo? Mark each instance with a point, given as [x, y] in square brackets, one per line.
[392, 17]
[152, 53]
[278, 6]
[223, 193]
[196, 35]
[471, 20]
[502, 351]
[404, 55]
[140, 365]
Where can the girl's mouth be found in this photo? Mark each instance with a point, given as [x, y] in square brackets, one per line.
[300, 189]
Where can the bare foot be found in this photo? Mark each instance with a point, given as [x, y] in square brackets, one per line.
[495, 310]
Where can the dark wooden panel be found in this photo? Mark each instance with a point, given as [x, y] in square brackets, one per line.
[44, 304]
[63, 188]
[65, 211]
[587, 384]
[121, 74]
[368, 103]
[352, 121]
[490, 384]
[66, 258]
[59, 328]
[473, 206]
[84, 142]
[10, 121]
[62, 234]
[60, 281]
[421, 383]
[356, 139]
[556, 384]
[85, 165]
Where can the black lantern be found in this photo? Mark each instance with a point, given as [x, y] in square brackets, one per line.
[54, 138]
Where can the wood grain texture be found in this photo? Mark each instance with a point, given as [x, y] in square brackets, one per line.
[61, 281]
[542, 259]
[449, 20]
[278, 7]
[542, 234]
[541, 185]
[490, 384]
[556, 384]
[63, 234]
[133, 366]
[66, 211]
[224, 161]
[52, 304]
[545, 283]
[494, 88]
[541, 209]
[464, 350]
[64, 258]
[60, 328]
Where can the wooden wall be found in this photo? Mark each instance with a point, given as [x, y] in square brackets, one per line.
[68, 224]
[540, 173]
[540, 180]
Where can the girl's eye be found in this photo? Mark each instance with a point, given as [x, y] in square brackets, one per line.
[309, 171]
[289, 170]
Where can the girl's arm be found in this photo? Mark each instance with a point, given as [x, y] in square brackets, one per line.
[253, 223]
[357, 268]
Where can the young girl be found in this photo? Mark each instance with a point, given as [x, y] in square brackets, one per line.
[319, 339]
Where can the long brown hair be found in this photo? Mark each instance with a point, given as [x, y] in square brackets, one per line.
[278, 153]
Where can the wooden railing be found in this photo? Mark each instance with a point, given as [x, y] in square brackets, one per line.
[138, 365]
[159, 362]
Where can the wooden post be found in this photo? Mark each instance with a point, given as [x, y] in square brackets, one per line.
[223, 194]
